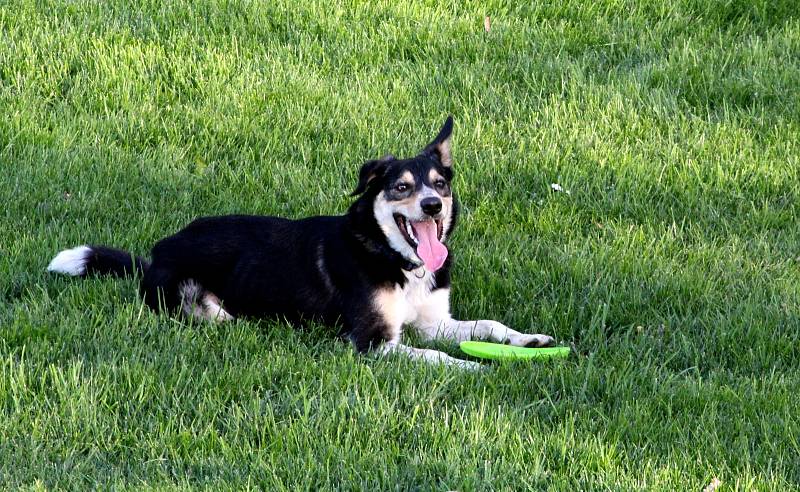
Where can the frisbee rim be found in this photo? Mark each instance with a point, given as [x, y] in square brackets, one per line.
[499, 351]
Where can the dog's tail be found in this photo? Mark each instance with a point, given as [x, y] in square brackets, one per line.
[97, 260]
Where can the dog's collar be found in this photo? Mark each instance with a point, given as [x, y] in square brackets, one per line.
[408, 266]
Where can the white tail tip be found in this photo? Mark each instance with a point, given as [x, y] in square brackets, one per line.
[71, 261]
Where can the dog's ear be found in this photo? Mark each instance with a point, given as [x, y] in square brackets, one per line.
[371, 170]
[440, 147]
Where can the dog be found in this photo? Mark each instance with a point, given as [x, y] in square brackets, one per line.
[382, 266]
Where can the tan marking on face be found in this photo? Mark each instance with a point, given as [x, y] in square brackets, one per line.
[406, 205]
[408, 178]
[433, 175]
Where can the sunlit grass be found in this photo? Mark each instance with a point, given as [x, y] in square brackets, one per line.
[672, 265]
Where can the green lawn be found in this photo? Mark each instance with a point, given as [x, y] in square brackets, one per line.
[673, 266]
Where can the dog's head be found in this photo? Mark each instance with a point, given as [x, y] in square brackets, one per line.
[412, 200]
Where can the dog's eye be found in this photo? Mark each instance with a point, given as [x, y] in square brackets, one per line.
[440, 184]
[401, 187]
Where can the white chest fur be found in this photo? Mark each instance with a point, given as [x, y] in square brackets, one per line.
[416, 293]
[406, 304]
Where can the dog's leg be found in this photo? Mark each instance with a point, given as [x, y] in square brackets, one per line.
[212, 308]
[433, 322]
[200, 303]
[377, 328]
[428, 355]
[483, 329]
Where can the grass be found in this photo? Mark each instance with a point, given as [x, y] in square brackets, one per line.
[673, 265]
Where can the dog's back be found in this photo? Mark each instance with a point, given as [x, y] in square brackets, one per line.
[261, 266]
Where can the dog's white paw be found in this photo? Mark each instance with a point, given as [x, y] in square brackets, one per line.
[525, 340]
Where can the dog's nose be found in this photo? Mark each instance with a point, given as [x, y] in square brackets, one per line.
[431, 205]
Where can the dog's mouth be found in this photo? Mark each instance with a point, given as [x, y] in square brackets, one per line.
[409, 228]
[425, 236]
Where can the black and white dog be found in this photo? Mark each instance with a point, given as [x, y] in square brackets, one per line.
[382, 266]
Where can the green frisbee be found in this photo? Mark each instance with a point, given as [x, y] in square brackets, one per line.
[498, 351]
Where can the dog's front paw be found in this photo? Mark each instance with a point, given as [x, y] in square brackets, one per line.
[467, 365]
[537, 340]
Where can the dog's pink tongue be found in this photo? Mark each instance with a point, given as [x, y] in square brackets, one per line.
[429, 249]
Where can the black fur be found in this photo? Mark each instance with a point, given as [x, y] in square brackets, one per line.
[114, 262]
[326, 268]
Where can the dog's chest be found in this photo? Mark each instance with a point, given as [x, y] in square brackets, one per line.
[400, 305]
[415, 293]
